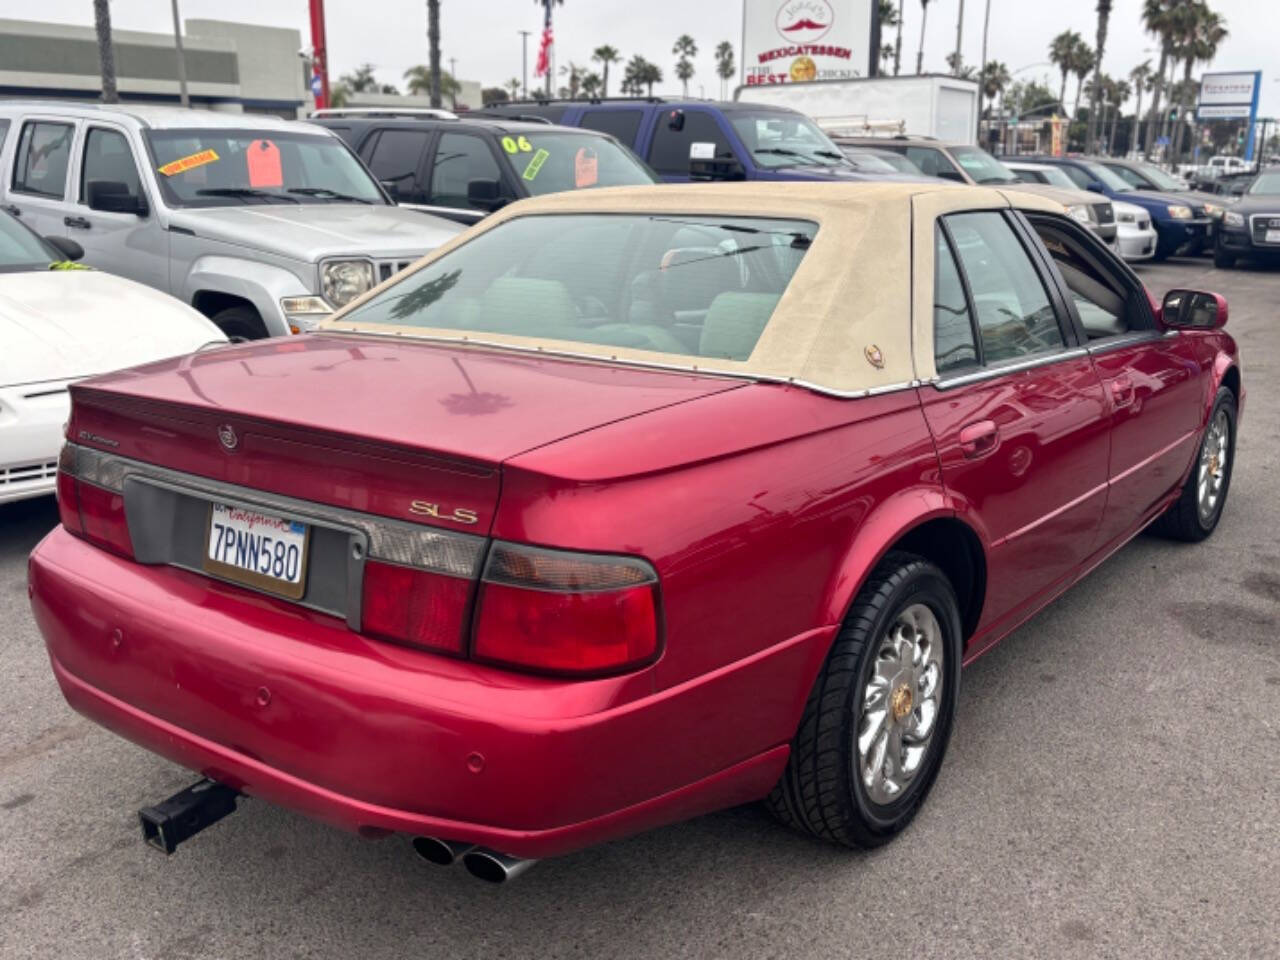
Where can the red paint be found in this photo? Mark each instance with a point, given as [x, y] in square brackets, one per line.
[760, 507]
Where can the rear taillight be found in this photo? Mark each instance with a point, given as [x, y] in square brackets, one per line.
[416, 606]
[91, 505]
[560, 612]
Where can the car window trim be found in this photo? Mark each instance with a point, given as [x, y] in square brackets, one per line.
[66, 177]
[81, 198]
[968, 294]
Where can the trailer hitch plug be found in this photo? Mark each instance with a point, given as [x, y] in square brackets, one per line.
[185, 814]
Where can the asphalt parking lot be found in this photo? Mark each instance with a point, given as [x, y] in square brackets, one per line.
[1111, 791]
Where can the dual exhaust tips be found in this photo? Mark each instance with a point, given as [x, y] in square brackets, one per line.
[484, 864]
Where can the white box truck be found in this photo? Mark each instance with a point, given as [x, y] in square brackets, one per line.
[945, 108]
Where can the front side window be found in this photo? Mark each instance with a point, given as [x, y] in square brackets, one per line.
[460, 158]
[697, 286]
[394, 160]
[1131, 177]
[954, 346]
[556, 162]
[933, 163]
[216, 167]
[669, 152]
[43, 155]
[108, 158]
[1016, 320]
[1102, 302]
[1265, 185]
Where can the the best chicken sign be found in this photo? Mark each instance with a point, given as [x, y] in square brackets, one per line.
[789, 41]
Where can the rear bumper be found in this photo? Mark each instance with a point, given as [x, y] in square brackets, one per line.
[292, 707]
[32, 418]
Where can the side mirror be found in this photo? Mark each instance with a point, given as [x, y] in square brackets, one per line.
[111, 196]
[485, 195]
[1093, 186]
[1193, 310]
[951, 175]
[69, 249]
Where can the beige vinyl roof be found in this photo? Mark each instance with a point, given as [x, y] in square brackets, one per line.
[845, 323]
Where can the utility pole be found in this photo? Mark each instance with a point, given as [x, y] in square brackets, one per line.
[182, 58]
[524, 61]
[959, 35]
[982, 69]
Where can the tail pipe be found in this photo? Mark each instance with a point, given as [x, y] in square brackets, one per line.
[443, 853]
[494, 867]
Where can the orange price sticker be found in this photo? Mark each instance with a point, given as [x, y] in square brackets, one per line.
[586, 168]
[183, 164]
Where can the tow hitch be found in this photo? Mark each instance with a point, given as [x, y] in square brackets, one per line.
[185, 814]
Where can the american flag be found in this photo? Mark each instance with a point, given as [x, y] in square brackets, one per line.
[544, 50]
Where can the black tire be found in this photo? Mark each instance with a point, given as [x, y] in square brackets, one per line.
[1184, 519]
[820, 792]
[1221, 259]
[240, 323]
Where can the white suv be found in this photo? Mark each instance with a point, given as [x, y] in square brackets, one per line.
[263, 225]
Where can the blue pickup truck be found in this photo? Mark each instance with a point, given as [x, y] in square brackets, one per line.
[705, 140]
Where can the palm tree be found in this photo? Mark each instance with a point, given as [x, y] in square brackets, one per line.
[575, 74]
[1197, 39]
[1083, 62]
[1104, 17]
[1118, 92]
[418, 79]
[1157, 17]
[1140, 77]
[605, 55]
[995, 78]
[897, 43]
[433, 50]
[685, 48]
[924, 18]
[591, 85]
[513, 87]
[106, 51]
[1062, 51]
[887, 12]
[652, 75]
[956, 65]
[725, 67]
[633, 75]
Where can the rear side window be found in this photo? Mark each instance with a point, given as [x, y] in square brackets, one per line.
[395, 160]
[108, 158]
[669, 152]
[692, 285]
[460, 158]
[953, 341]
[623, 124]
[43, 155]
[1015, 317]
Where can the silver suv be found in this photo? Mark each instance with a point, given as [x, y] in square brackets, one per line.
[264, 225]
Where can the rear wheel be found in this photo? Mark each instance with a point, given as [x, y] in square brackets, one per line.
[240, 323]
[1196, 512]
[878, 719]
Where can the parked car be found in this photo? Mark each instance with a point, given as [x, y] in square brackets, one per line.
[1251, 227]
[1135, 237]
[1147, 176]
[1222, 166]
[58, 326]
[703, 139]
[618, 513]
[964, 163]
[263, 225]
[1182, 224]
[897, 163]
[465, 169]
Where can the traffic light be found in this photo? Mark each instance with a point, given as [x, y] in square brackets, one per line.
[1240, 137]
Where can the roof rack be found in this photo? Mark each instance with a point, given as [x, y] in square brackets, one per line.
[431, 113]
[487, 114]
[861, 125]
[548, 101]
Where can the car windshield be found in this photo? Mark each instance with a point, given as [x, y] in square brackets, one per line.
[697, 286]
[786, 140]
[867, 162]
[554, 162]
[1051, 176]
[982, 166]
[219, 167]
[1158, 177]
[1106, 177]
[1265, 185]
[20, 249]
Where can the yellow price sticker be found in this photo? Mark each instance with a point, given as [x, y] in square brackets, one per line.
[184, 164]
[535, 164]
[524, 144]
[509, 144]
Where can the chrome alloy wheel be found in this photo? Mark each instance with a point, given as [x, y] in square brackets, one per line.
[900, 704]
[1212, 469]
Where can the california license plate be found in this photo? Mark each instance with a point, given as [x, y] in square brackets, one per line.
[257, 549]
[1273, 236]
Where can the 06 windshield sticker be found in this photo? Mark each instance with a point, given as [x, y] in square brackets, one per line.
[190, 162]
[519, 144]
[535, 164]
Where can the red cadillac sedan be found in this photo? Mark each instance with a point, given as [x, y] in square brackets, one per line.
[626, 506]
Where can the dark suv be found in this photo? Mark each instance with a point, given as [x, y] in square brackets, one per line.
[465, 169]
[703, 139]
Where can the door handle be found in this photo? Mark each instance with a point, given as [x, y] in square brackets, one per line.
[80, 223]
[979, 439]
[1122, 391]
[13, 211]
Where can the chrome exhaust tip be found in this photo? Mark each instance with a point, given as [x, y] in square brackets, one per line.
[443, 853]
[493, 867]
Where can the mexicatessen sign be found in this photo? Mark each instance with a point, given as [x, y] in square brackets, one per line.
[792, 41]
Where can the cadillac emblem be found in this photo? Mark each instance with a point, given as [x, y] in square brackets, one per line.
[227, 436]
[874, 356]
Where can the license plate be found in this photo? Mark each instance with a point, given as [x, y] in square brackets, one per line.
[257, 549]
[1273, 236]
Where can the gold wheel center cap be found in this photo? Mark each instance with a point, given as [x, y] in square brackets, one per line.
[900, 702]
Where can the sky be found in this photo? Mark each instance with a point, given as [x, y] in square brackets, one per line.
[482, 35]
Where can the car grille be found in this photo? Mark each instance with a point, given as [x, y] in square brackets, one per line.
[1104, 213]
[1261, 223]
[389, 268]
[24, 472]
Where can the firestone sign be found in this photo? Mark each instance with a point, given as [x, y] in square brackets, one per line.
[792, 41]
[1231, 96]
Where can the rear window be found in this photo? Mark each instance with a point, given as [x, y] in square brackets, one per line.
[623, 124]
[691, 285]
